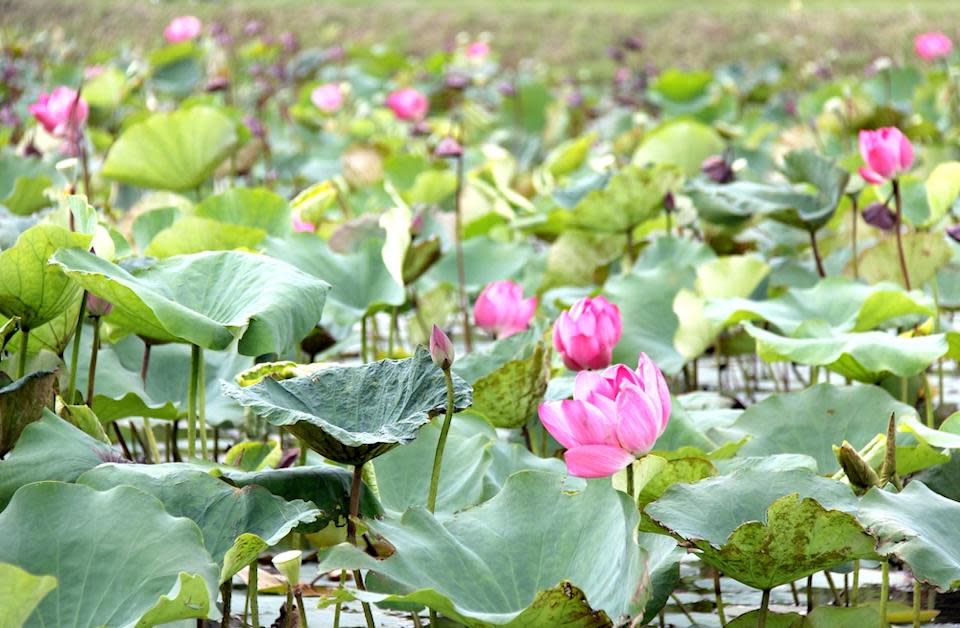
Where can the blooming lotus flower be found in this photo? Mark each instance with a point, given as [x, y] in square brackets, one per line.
[586, 334]
[478, 50]
[183, 28]
[502, 310]
[932, 46]
[887, 153]
[408, 104]
[614, 417]
[327, 98]
[56, 110]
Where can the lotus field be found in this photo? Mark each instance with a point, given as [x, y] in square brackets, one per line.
[344, 336]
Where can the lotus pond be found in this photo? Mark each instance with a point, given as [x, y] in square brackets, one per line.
[295, 336]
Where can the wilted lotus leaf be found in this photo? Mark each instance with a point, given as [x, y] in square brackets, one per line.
[353, 414]
[21, 403]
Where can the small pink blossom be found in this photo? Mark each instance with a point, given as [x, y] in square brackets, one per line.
[59, 109]
[183, 28]
[502, 310]
[327, 97]
[586, 334]
[478, 50]
[886, 152]
[408, 104]
[932, 46]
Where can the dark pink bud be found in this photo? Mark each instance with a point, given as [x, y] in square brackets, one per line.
[448, 148]
[880, 216]
[717, 169]
[441, 349]
[97, 306]
[954, 232]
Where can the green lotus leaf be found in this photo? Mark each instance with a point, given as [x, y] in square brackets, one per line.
[942, 187]
[222, 512]
[353, 414]
[326, 486]
[812, 421]
[631, 196]
[864, 356]
[30, 461]
[194, 234]
[540, 553]
[20, 592]
[925, 254]
[509, 377]
[577, 257]
[24, 182]
[663, 565]
[919, 527]
[484, 260]
[22, 402]
[682, 142]
[256, 208]
[77, 543]
[30, 287]
[207, 299]
[53, 336]
[254, 455]
[786, 525]
[172, 151]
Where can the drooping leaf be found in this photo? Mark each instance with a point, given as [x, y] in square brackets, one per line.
[172, 151]
[353, 414]
[207, 299]
[172, 578]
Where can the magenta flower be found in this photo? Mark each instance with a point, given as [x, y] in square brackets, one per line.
[502, 310]
[586, 334]
[183, 28]
[327, 98]
[478, 50]
[614, 417]
[59, 109]
[887, 153]
[932, 46]
[408, 104]
[441, 349]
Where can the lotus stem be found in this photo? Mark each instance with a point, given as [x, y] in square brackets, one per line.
[355, 490]
[833, 587]
[252, 590]
[809, 593]
[917, 593]
[630, 482]
[855, 590]
[289, 613]
[928, 401]
[22, 352]
[682, 608]
[192, 402]
[94, 351]
[627, 263]
[795, 593]
[202, 404]
[363, 339]
[392, 332]
[302, 612]
[816, 254]
[75, 356]
[461, 272]
[764, 606]
[899, 220]
[441, 443]
[853, 236]
[226, 597]
[718, 594]
[884, 592]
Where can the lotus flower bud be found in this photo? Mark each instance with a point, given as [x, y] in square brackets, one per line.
[861, 475]
[880, 216]
[932, 46]
[183, 28]
[502, 310]
[717, 169]
[441, 349]
[327, 98]
[954, 232]
[59, 109]
[448, 148]
[408, 104]
[97, 306]
[886, 152]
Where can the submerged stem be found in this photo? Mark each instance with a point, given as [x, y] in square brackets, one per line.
[441, 443]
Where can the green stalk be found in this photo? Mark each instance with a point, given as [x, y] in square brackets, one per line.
[884, 592]
[718, 593]
[916, 602]
[202, 403]
[630, 481]
[75, 356]
[355, 489]
[22, 353]
[363, 339]
[94, 351]
[301, 610]
[252, 591]
[928, 400]
[899, 219]
[438, 458]
[764, 606]
[192, 402]
[855, 591]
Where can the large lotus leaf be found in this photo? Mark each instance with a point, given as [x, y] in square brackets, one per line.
[811, 421]
[258, 208]
[87, 540]
[31, 460]
[540, 553]
[24, 182]
[353, 414]
[228, 517]
[32, 288]
[925, 254]
[787, 525]
[942, 187]
[682, 143]
[403, 474]
[22, 402]
[484, 260]
[920, 528]
[843, 304]
[360, 282]
[206, 299]
[172, 151]
[663, 567]
[632, 196]
[645, 299]
[509, 378]
[194, 234]
[20, 592]
[864, 356]
[577, 257]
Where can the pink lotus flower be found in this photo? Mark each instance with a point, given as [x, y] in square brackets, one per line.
[327, 98]
[478, 50]
[59, 109]
[302, 226]
[887, 153]
[441, 349]
[614, 417]
[932, 46]
[408, 104]
[502, 310]
[586, 334]
[183, 28]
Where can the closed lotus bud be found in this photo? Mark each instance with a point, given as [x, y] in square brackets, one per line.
[633, 42]
[448, 148]
[217, 84]
[669, 203]
[858, 471]
[717, 169]
[954, 232]
[456, 80]
[441, 349]
[97, 306]
[880, 216]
